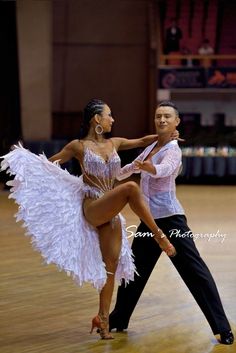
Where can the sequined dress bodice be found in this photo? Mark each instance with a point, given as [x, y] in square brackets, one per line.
[95, 164]
[104, 172]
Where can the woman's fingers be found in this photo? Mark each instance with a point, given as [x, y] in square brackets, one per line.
[138, 164]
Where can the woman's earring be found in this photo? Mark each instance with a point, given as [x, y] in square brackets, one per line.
[99, 129]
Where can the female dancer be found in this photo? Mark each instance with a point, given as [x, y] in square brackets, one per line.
[80, 229]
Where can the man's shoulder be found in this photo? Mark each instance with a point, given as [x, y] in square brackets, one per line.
[173, 148]
[174, 145]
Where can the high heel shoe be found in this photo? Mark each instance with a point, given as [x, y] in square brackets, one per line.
[102, 327]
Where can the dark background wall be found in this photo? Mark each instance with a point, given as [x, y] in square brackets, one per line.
[102, 49]
[10, 128]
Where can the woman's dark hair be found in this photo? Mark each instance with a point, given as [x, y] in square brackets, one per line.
[95, 106]
[169, 104]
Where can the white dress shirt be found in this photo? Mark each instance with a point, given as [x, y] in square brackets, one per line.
[159, 190]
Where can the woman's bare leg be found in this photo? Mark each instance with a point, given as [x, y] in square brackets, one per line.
[102, 210]
[110, 236]
[110, 244]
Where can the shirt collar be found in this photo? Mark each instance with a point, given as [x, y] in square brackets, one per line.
[150, 148]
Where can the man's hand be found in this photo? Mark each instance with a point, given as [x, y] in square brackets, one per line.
[146, 165]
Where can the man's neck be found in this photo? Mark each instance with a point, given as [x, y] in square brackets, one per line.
[163, 140]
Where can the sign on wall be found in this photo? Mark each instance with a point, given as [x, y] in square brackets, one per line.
[218, 77]
[221, 77]
[182, 78]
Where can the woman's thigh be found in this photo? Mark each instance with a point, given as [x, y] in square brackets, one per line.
[102, 210]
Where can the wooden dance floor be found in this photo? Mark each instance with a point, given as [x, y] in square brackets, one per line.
[43, 311]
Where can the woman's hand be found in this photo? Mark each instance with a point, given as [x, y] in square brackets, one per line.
[175, 136]
[147, 166]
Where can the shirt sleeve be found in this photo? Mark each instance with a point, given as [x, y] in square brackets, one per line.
[129, 169]
[169, 163]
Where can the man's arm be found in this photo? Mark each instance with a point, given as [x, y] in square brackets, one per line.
[168, 165]
[133, 167]
[130, 168]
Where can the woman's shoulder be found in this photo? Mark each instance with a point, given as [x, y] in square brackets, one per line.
[117, 141]
[76, 144]
[77, 147]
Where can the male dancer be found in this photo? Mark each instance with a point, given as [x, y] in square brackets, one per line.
[159, 165]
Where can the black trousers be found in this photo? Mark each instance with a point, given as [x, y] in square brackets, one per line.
[188, 263]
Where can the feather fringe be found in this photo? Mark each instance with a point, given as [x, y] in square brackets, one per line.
[50, 206]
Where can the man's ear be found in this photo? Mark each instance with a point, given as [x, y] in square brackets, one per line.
[177, 121]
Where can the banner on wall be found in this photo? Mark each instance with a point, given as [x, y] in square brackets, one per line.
[221, 77]
[217, 77]
[182, 78]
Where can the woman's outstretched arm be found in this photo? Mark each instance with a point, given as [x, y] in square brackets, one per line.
[126, 144]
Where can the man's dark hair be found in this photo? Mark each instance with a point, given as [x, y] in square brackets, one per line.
[169, 104]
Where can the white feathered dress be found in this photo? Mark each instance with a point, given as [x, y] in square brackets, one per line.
[50, 205]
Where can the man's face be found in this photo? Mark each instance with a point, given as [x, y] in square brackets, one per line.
[166, 120]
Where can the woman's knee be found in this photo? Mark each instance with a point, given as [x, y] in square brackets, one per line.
[132, 188]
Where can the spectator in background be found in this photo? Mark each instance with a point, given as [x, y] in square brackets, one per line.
[173, 36]
[206, 50]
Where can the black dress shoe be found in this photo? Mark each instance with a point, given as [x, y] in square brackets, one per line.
[115, 322]
[226, 337]
[118, 329]
[113, 326]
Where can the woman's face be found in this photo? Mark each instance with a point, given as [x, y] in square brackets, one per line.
[105, 119]
[166, 120]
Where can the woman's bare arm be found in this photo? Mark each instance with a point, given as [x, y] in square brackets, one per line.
[126, 144]
[72, 149]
